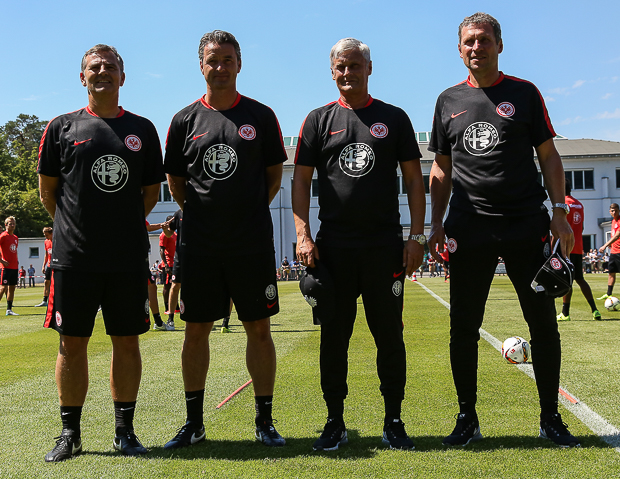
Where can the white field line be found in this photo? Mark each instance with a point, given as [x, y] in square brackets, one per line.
[597, 424]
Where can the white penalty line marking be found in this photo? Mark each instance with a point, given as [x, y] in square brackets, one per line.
[597, 424]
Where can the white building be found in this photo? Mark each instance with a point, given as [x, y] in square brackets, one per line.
[592, 165]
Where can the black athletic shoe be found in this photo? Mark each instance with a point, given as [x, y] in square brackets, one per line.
[66, 447]
[467, 430]
[552, 427]
[394, 435]
[190, 434]
[334, 435]
[268, 435]
[129, 444]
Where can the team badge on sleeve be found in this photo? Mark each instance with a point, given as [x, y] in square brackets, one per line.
[220, 162]
[109, 173]
[379, 130]
[247, 132]
[505, 109]
[356, 159]
[133, 143]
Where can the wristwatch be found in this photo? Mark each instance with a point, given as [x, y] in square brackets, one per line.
[564, 206]
[419, 238]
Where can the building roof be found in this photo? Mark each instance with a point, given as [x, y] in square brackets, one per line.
[568, 149]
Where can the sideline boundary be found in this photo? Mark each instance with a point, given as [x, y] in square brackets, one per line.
[596, 423]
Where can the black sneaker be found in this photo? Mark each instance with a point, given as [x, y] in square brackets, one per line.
[267, 434]
[394, 435]
[129, 444]
[190, 434]
[467, 430]
[334, 435]
[66, 447]
[552, 427]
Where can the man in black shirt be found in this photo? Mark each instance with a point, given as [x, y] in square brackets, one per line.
[356, 145]
[99, 165]
[224, 158]
[484, 132]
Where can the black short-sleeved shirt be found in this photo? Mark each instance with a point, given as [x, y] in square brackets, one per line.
[102, 165]
[176, 225]
[490, 134]
[356, 154]
[223, 155]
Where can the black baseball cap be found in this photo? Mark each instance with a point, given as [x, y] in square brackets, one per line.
[317, 287]
[555, 277]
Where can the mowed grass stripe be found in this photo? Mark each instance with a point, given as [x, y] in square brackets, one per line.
[508, 411]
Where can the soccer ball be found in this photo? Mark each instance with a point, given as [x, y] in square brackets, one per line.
[612, 304]
[516, 350]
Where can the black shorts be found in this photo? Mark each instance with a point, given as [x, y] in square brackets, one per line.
[614, 263]
[8, 277]
[176, 268]
[75, 297]
[166, 278]
[209, 282]
[48, 273]
[577, 261]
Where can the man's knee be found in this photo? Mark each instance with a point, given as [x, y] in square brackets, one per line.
[259, 330]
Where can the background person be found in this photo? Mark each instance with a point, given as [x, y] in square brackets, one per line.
[613, 263]
[8, 264]
[47, 267]
[31, 273]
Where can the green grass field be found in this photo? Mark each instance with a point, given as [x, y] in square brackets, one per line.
[508, 404]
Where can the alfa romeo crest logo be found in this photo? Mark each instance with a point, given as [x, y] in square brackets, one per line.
[480, 138]
[13, 248]
[357, 159]
[397, 288]
[109, 173]
[220, 162]
[270, 292]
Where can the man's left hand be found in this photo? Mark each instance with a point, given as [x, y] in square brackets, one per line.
[412, 256]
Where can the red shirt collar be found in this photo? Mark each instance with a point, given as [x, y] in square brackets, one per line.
[497, 82]
[342, 104]
[204, 102]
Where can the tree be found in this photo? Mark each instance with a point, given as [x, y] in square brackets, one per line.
[19, 184]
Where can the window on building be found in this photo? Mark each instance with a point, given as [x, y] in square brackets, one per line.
[34, 252]
[581, 179]
[167, 197]
[617, 177]
[427, 183]
[314, 190]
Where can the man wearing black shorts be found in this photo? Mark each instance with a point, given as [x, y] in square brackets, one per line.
[484, 132]
[224, 156]
[613, 265]
[575, 220]
[8, 264]
[99, 165]
[356, 145]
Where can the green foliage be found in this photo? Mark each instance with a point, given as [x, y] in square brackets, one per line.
[19, 190]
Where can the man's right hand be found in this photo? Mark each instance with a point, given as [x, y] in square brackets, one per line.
[436, 240]
[307, 251]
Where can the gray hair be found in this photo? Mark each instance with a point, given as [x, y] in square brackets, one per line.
[102, 48]
[480, 18]
[347, 44]
[218, 37]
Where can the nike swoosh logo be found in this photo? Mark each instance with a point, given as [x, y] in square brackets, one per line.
[454, 116]
[396, 275]
[272, 305]
[198, 136]
[196, 439]
[76, 143]
[75, 449]
[339, 131]
[126, 408]
[190, 399]
[544, 238]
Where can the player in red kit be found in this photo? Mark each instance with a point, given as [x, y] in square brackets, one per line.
[8, 264]
[614, 256]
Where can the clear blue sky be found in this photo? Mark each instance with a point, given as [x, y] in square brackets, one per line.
[568, 49]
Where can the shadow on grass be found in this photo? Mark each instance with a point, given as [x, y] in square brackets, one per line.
[357, 448]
